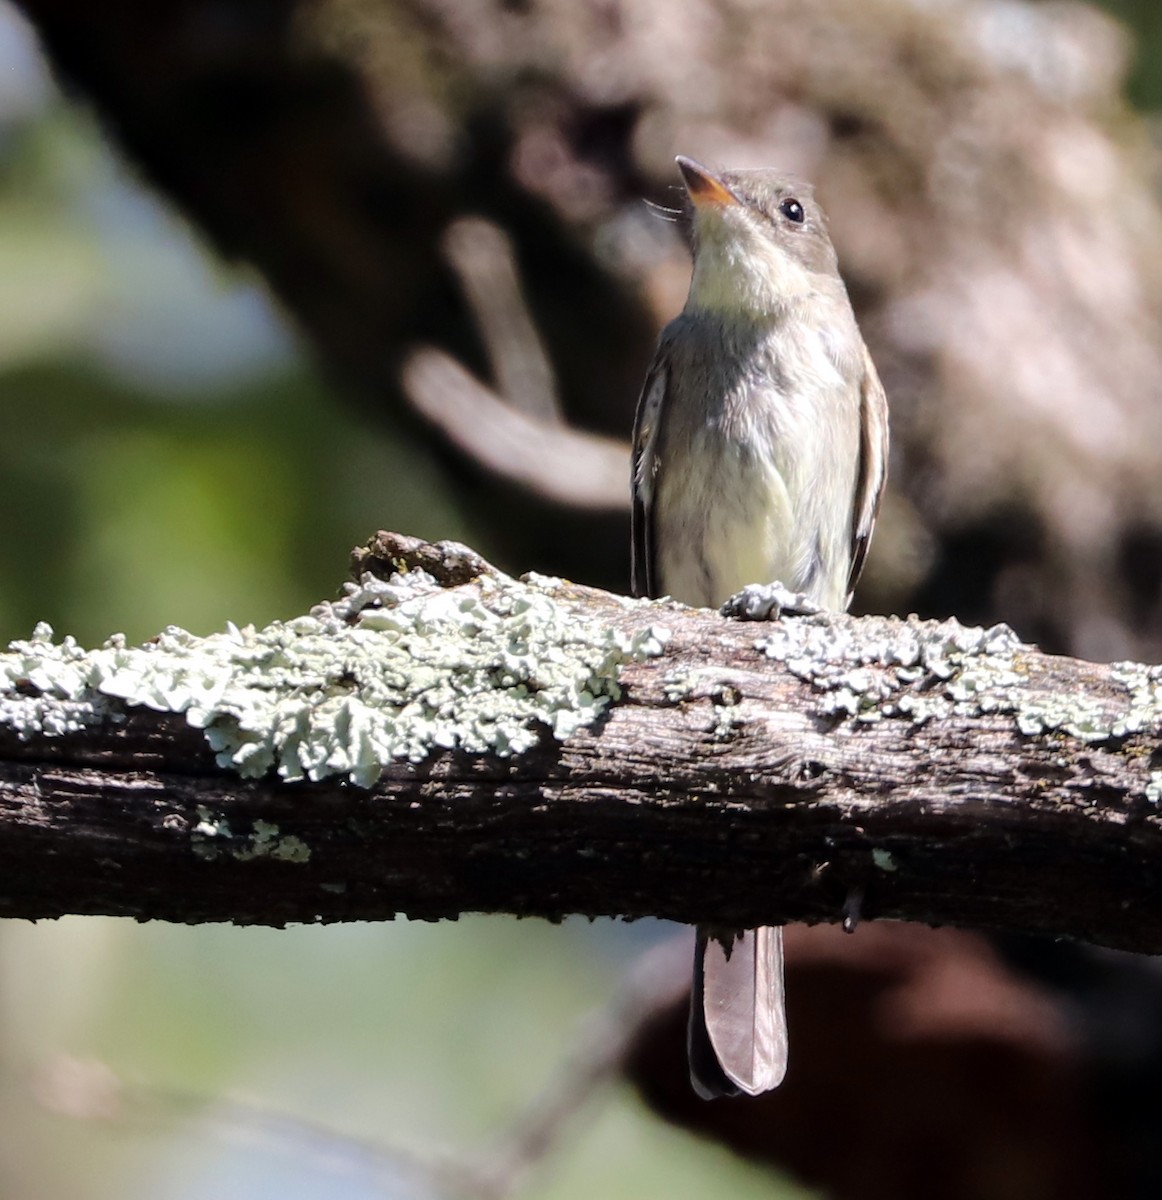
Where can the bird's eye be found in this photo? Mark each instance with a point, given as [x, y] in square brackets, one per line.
[792, 210]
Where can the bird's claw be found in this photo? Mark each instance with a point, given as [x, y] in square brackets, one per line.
[768, 602]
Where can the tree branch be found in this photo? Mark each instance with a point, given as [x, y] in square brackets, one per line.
[517, 430]
[645, 759]
[482, 255]
[554, 460]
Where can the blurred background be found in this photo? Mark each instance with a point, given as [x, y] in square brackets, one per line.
[275, 275]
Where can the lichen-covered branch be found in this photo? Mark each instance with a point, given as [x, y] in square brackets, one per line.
[446, 739]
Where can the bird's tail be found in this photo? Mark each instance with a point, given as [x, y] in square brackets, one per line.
[737, 1036]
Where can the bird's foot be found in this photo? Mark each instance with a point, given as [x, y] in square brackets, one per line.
[768, 602]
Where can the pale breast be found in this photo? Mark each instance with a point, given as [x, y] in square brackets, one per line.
[759, 453]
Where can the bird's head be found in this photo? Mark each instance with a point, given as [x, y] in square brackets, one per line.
[760, 241]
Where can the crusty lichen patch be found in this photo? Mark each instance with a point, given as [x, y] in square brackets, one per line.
[213, 838]
[393, 670]
[881, 667]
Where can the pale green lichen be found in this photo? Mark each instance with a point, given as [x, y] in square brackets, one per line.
[268, 841]
[1154, 787]
[726, 722]
[883, 666]
[210, 826]
[211, 835]
[679, 685]
[715, 684]
[919, 670]
[883, 860]
[213, 839]
[392, 671]
[1144, 683]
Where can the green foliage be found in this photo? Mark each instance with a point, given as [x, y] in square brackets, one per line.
[1144, 18]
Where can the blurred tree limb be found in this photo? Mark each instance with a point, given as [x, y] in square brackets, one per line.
[1009, 790]
[516, 430]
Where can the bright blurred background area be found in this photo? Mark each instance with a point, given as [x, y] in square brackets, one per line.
[227, 230]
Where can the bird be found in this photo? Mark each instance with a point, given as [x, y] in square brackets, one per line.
[760, 454]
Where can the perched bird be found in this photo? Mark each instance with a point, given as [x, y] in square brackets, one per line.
[760, 453]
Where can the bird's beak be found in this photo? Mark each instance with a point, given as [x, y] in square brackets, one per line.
[705, 188]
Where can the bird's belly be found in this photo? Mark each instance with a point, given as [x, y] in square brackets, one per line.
[727, 521]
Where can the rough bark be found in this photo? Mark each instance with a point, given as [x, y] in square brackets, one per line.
[718, 787]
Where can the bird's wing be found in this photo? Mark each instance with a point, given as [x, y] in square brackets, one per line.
[646, 468]
[873, 466]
